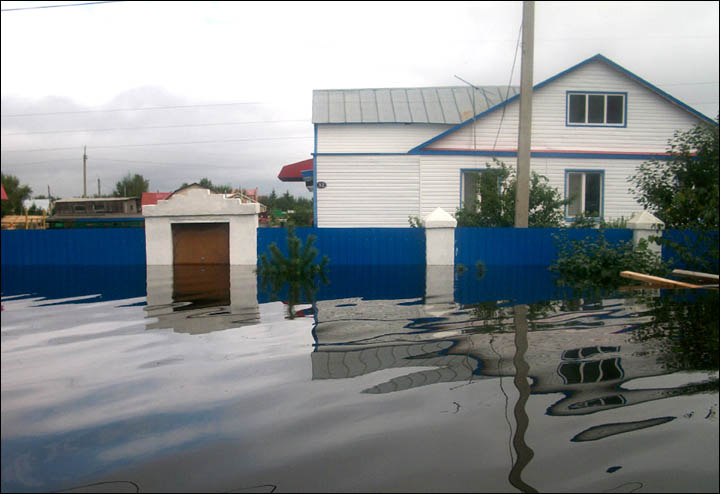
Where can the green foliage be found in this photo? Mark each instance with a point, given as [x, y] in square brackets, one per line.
[595, 262]
[416, 222]
[302, 208]
[583, 221]
[683, 192]
[496, 207]
[131, 186]
[298, 269]
[16, 193]
[207, 183]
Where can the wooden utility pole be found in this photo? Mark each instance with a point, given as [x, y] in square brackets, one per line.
[98, 187]
[85, 171]
[522, 191]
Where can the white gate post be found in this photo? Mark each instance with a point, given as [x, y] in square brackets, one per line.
[440, 238]
[643, 226]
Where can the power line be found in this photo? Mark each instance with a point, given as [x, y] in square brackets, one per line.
[154, 127]
[158, 144]
[56, 6]
[507, 92]
[128, 109]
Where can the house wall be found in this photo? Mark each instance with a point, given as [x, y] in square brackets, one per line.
[374, 138]
[441, 180]
[651, 119]
[365, 191]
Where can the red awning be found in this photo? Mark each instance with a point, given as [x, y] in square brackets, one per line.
[293, 172]
[4, 195]
[151, 198]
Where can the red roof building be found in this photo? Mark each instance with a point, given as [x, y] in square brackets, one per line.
[151, 198]
[293, 172]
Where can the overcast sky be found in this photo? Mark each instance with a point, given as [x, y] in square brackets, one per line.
[239, 76]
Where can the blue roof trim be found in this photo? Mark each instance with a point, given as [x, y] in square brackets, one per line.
[540, 85]
[360, 154]
[545, 154]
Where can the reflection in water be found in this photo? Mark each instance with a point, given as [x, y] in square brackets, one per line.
[468, 343]
[522, 370]
[685, 326]
[196, 299]
[91, 399]
[298, 270]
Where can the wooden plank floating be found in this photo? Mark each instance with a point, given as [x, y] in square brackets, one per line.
[656, 280]
[696, 275]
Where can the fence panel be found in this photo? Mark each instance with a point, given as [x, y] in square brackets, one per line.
[355, 246]
[519, 246]
[102, 246]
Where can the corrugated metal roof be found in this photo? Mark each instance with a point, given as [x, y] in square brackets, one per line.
[435, 105]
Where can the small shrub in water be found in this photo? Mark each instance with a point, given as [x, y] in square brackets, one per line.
[595, 262]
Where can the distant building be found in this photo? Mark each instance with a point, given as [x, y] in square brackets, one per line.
[96, 212]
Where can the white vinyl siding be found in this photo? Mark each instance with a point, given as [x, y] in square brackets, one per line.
[651, 119]
[367, 191]
[374, 138]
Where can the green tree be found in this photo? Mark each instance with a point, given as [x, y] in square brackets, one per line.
[682, 190]
[16, 193]
[496, 207]
[131, 186]
[207, 183]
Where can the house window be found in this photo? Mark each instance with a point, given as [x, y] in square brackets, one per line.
[481, 189]
[596, 109]
[584, 189]
[79, 208]
[99, 207]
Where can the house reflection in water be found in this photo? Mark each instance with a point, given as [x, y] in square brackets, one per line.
[196, 299]
[586, 351]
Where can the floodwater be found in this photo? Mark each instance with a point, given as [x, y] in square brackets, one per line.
[395, 379]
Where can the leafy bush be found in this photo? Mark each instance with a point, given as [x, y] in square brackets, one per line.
[496, 208]
[593, 261]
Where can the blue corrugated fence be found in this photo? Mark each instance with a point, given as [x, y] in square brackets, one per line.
[344, 246]
[102, 246]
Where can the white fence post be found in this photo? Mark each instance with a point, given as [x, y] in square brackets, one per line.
[643, 226]
[440, 238]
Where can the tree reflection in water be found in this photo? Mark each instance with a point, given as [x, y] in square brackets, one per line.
[685, 326]
[298, 270]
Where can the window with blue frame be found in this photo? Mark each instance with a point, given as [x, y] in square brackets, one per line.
[596, 109]
[584, 189]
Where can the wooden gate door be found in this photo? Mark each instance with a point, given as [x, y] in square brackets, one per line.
[201, 243]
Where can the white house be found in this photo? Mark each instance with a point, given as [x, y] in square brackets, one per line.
[383, 155]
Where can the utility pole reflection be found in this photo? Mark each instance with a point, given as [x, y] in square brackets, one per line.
[523, 452]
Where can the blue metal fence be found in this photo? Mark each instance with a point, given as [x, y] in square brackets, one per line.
[344, 246]
[355, 246]
[102, 246]
[519, 246]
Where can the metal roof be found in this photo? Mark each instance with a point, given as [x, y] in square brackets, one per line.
[435, 105]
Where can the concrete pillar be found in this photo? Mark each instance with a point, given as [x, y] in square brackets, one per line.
[645, 225]
[440, 238]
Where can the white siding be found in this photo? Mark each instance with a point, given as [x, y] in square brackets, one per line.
[374, 138]
[440, 180]
[367, 191]
[651, 119]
